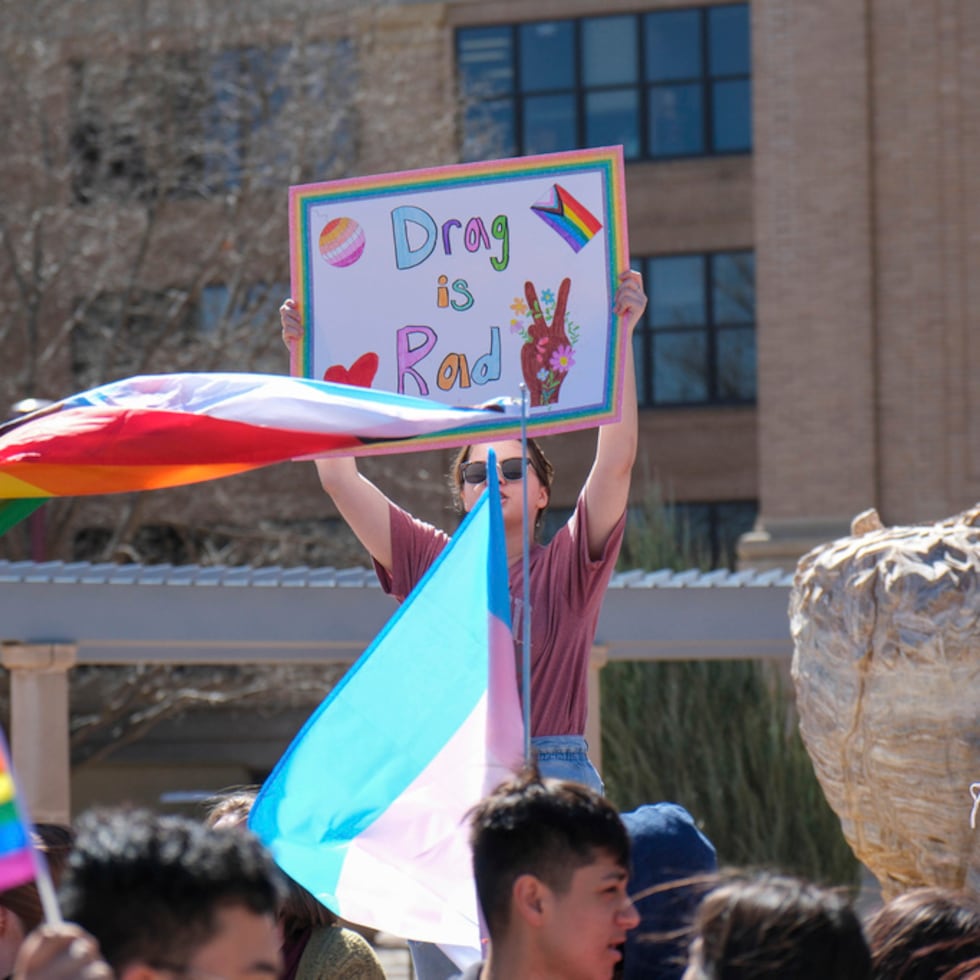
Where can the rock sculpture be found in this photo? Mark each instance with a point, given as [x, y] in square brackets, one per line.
[886, 630]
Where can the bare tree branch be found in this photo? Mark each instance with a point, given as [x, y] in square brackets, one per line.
[143, 229]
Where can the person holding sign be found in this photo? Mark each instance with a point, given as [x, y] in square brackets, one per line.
[568, 577]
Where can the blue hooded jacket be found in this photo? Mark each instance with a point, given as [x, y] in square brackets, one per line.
[666, 846]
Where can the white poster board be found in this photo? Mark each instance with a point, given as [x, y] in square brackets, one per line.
[461, 284]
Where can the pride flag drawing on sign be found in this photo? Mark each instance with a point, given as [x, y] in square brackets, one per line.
[569, 217]
[16, 857]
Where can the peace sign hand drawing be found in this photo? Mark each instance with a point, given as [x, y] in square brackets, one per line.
[546, 355]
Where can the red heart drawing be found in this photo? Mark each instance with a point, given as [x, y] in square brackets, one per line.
[361, 373]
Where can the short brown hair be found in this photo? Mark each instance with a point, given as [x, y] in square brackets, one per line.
[771, 925]
[923, 932]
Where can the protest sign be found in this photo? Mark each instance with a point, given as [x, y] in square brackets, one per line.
[459, 284]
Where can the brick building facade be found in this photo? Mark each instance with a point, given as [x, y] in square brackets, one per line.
[821, 148]
[864, 213]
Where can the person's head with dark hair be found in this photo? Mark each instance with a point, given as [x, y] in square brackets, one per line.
[168, 897]
[551, 863]
[770, 927]
[923, 933]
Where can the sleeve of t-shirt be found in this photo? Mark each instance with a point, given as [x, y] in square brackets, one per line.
[415, 545]
[587, 575]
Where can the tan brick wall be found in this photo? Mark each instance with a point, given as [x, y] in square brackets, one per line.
[813, 259]
[406, 119]
[866, 211]
[926, 126]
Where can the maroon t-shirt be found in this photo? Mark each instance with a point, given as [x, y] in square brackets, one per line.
[567, 588]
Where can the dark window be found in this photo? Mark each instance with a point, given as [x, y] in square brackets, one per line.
[664, 84]
[117, 334]
[252, 307]
[555, 518]
[547, 55]
[696, 342]
[233, 328]
[714, 528]
[203, 122]
[692, 535]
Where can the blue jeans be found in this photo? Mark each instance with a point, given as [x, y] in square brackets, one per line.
[566, 757]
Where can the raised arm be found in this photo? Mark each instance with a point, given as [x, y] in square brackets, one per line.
[608, 485]
[360, 503]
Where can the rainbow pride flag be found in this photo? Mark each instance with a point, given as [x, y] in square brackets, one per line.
[568, 216]
[16, 857]
[172, 429]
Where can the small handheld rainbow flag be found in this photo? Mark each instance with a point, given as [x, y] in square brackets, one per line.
[16, 852]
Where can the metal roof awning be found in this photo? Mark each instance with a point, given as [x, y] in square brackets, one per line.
[117, 614]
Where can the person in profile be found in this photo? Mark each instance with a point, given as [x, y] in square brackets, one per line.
[551, 863]
[315, 946]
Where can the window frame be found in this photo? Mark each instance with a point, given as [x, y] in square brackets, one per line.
[517, 96]
[228, 111]
[711, 328]
[716, 517]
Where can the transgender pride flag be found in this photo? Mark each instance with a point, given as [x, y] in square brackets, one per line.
[367, 808]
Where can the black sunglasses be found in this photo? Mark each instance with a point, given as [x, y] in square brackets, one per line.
[475, 472]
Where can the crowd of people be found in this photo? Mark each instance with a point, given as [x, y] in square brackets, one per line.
[561, 879]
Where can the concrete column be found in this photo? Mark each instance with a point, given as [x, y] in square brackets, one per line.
[39, 726]
[598, 658]
[814, 199]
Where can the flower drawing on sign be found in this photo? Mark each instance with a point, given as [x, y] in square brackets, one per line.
[562, 360]
[549, 336]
